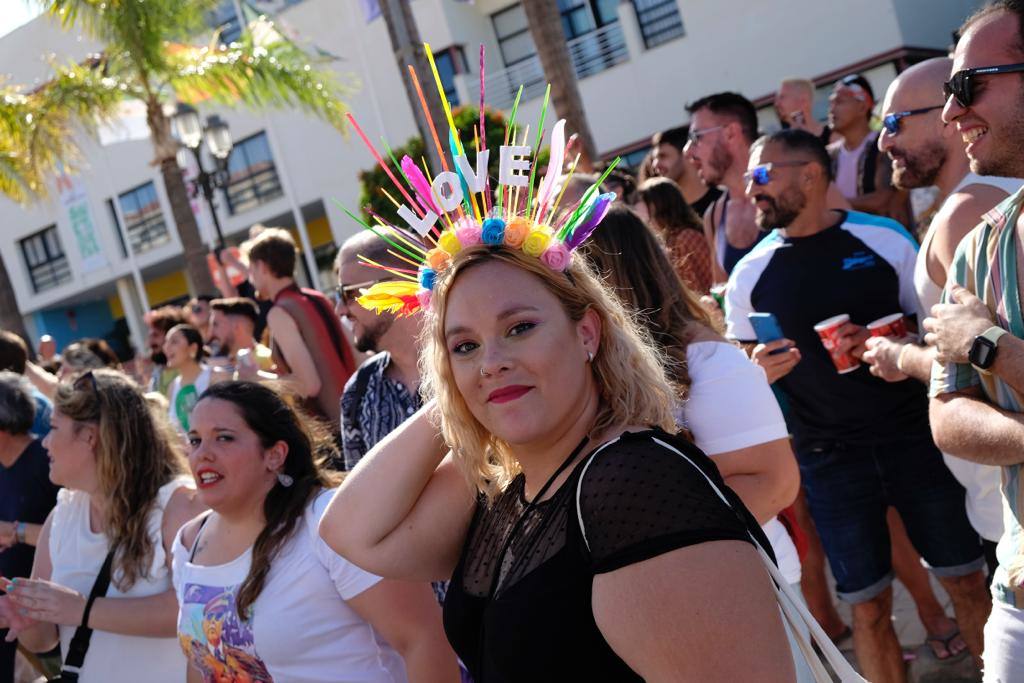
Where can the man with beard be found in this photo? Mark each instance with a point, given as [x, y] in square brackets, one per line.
[862, 444]
[670, 162]
[722, 126]
[232, 327]
[384, 391]
[159, 322]
[926, 152]
[978, 382]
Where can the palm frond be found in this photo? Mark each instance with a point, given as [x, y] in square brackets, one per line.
[137, 27]
[274, 75]
[37, 128]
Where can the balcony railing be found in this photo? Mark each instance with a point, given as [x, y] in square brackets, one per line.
[591, 54]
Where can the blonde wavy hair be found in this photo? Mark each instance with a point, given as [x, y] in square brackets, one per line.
[628, 369]
[135, 456]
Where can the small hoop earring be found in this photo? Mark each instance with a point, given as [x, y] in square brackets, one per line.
[285, 480]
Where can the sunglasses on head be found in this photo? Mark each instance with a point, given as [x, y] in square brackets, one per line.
[762, 175]
[891, 122]
[961, 85]
[347, 293]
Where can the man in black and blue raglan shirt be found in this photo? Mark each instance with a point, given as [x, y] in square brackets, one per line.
[863, 444]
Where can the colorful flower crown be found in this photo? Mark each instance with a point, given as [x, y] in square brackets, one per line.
[535, 227]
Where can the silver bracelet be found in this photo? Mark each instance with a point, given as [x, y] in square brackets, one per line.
[19, 532]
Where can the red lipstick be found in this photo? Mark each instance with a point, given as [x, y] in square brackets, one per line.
[509, 393]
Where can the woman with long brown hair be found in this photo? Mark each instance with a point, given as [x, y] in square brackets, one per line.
[680, 228]
[261, 596]
[126, 493]
[724, 400]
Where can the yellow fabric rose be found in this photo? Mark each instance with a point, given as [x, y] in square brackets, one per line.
[450, 243]
[537, 241]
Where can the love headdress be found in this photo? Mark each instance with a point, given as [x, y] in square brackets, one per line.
[538, 229]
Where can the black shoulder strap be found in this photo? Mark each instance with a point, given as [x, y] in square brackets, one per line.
[362, 380]
[870, 165]
[83, 634]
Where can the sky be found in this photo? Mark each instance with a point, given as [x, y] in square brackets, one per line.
[15, 13]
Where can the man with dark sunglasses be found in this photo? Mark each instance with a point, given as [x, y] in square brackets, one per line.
[926, 152]
[384, 390]
[862, 444]
[978, 382]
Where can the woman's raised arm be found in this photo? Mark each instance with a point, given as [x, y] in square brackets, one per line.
[403, 512]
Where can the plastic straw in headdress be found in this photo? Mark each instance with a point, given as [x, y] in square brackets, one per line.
[540, 229]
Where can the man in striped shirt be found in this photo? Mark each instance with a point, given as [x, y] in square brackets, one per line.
[978, 378]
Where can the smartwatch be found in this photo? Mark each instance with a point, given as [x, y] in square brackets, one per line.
[983, 351]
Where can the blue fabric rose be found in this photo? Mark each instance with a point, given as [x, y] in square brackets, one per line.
[493, 232]
[427, 278]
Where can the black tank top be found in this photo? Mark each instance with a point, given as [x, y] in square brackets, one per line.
[519, 603]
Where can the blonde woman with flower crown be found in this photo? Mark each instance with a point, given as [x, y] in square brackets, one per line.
[582, 538]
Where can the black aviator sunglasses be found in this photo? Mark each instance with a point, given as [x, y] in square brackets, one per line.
[961, 84]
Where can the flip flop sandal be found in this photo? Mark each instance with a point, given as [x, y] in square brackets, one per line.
[946, 643]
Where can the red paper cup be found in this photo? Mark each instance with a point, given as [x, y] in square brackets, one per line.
[828, 331]
[894, 325]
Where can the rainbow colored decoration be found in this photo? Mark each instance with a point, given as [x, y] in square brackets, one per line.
[528, 220]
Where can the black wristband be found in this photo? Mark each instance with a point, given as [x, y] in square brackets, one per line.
[88, 609]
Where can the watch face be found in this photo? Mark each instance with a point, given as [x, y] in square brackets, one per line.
[982, 353]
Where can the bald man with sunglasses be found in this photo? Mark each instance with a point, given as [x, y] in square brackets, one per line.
[978, 380]
[924, 152]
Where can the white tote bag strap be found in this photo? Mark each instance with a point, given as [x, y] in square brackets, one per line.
[793, 608]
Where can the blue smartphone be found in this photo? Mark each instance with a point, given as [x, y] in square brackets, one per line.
[766, 327]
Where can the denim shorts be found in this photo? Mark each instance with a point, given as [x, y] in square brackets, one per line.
[850, 486]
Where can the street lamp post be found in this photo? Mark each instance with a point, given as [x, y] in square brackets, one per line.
[191, 133]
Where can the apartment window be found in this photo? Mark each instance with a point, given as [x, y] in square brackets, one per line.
[451, 61]
[659, 21]
[143, 218]
[44, 257]
[580, 17]
[224, 18]
[514, 39]
[253, 178]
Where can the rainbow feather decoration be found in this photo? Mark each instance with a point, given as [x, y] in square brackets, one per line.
[554, 168]
[545, 231]
[398, 297]
[420, 184]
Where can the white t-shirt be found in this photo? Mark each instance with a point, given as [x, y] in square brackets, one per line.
[846, 167]
[183, 400]
[300, 628]
[78, 553]
[731, 406]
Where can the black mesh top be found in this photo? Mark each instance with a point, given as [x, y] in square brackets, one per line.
[526, 616]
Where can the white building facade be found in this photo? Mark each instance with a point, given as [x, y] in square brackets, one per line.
[89, 261]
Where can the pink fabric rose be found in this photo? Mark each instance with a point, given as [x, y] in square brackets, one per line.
[556, 257]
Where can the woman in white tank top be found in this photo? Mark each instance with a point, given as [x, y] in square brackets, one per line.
[127, 492]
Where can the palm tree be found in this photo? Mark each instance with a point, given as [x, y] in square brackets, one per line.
[404, 35]
[545, 24]
[37, 138]
[147, 56]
